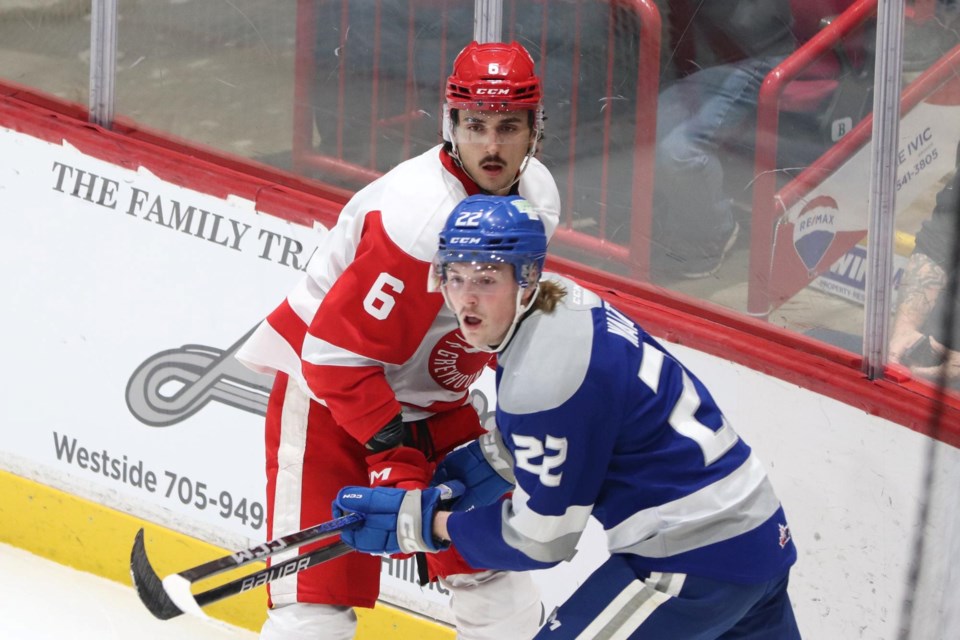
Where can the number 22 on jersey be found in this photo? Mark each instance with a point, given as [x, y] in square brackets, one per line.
[683, 417]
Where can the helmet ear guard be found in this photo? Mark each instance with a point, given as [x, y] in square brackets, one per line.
[447, 131]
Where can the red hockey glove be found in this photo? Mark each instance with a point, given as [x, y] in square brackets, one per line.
[401, 467]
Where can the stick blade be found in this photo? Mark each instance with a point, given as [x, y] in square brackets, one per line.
[148, 584]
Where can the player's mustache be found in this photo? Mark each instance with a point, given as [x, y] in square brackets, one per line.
[494, 159]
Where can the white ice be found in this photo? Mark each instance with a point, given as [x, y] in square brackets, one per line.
[44, 600]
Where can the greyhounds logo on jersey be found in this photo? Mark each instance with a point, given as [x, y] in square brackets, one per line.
[454, 364]
[814, 230]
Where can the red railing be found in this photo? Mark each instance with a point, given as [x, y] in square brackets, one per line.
[636, 255]
[770, 205]
[766, 206]
[332, 159]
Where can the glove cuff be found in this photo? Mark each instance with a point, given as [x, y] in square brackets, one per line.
[497, 455]
[402, 467]
[415, 522]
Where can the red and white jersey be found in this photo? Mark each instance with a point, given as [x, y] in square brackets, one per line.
[361, 333]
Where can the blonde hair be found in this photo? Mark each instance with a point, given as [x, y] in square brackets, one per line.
[550, 294]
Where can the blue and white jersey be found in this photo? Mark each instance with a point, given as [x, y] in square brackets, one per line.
[602, 420]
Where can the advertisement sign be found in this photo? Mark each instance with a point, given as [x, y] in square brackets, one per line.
[819, 229]
[128, 299]
[847, 277]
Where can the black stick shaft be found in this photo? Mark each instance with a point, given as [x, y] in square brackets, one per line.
[272, 547]
[154, 593]
[287, 567]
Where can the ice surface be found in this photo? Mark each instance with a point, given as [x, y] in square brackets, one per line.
[44, 600]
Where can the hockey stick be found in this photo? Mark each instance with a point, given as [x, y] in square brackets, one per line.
[171, 596]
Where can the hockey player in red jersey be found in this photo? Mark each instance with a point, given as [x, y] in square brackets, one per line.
[372, 373]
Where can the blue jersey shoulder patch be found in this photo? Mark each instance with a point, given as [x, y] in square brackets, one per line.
[560, 347]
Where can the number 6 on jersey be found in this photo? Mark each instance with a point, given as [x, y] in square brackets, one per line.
[378, 303]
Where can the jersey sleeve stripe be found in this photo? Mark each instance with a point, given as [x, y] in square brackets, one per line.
[734, 505]
[288, 325]
[543, 538]
[319, 352]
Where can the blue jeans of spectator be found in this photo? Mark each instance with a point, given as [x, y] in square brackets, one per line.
[693, 218]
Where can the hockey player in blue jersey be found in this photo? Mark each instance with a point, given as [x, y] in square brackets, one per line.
[594, 417]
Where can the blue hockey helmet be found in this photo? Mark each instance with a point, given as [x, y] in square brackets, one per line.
[489, 228]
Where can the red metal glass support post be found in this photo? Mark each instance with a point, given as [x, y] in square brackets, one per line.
[766, 208]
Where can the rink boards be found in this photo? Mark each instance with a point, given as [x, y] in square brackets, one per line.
[134, 273]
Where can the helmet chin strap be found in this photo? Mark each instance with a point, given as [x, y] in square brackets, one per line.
[521, 310]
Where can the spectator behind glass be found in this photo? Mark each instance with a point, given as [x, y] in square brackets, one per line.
[693, 219]
[927, 324]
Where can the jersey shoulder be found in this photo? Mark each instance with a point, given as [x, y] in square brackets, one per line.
[540, 189]
[538, 373]
[414, 199]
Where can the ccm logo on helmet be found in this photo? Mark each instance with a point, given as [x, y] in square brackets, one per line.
[464, 240]
[483, 91]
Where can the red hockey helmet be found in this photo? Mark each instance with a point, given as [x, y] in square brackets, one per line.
[494, 77]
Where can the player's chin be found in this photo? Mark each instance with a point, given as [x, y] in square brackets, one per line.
[495, 182]
[473, 334]
[476, 343]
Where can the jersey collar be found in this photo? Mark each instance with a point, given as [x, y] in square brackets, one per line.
[454, 167]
